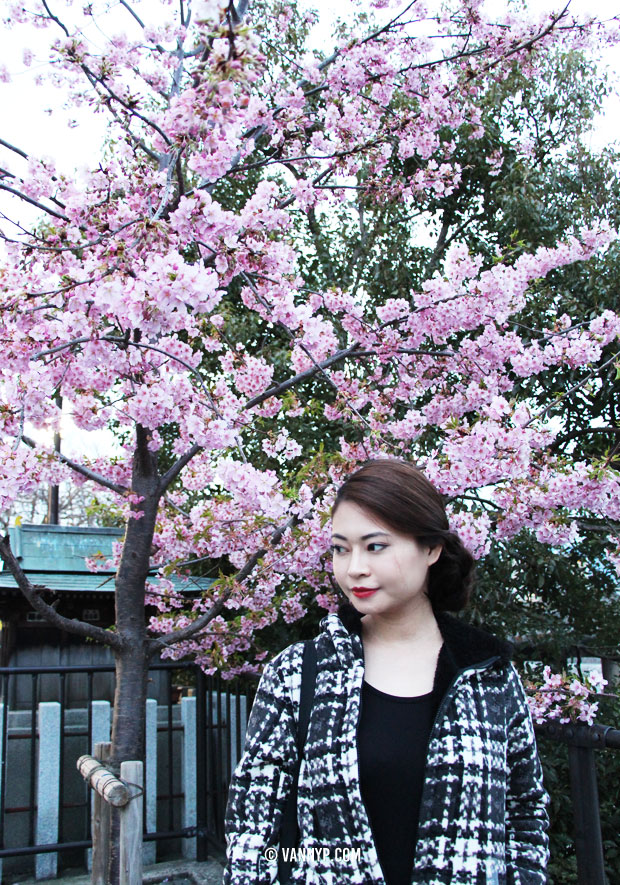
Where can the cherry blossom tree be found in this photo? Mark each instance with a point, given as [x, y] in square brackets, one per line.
[166, 293]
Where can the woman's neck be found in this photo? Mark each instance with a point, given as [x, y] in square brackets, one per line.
[400, 655]
[419, 626]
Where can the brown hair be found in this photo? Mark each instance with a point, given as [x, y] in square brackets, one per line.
[399, 495]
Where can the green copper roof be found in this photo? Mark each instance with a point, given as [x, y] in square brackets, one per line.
[60, 548]
[94, 583]
[53, 556]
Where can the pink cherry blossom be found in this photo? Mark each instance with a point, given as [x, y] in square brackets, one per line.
[165, 293]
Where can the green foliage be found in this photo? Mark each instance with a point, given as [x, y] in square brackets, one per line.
[103, 513]
[554, 757]
[549, 601]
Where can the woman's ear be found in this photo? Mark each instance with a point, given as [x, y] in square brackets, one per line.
[433, 554]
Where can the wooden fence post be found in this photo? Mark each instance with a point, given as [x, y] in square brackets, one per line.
[101, 825]
[131, 825]
[126, 794]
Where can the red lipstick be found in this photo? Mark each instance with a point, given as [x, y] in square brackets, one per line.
[362, 592]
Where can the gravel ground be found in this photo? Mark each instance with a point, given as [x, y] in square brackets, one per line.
[178, 872]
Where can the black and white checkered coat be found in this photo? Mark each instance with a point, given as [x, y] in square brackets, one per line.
[483, 816]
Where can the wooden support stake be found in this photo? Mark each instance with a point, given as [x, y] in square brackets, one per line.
[131, 825]
[101, 825]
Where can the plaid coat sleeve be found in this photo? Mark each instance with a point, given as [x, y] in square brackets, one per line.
[262, 779]
[526, 798]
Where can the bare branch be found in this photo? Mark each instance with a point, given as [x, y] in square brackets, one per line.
[132, 12]
[238, 11]
[55, 18]
[83, 471]
[16, 193]
[12, 147]
[66, 346]
[32, 594]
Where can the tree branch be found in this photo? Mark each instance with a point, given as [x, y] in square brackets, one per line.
[31, 592]
[83, 471]
[6, 174]
[130, 110]
[176, 468]
[170, 356]
[200, 623]
[175, 636]
[16, 193]
[170, 475]
[440, 245]
[573, 389]
[12, 147]
[55, 18]
[301, 376]
[131, 12]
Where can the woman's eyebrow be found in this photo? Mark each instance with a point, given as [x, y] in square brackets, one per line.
[364, 537]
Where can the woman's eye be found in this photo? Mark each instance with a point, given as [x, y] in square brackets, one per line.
[374, 548]
[336, 549]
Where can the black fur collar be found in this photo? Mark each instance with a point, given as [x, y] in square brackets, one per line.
[470, 645]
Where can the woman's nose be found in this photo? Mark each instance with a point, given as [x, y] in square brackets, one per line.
[358, 563]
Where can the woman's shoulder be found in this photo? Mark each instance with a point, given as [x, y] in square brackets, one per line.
[287, 660]
[334, 644]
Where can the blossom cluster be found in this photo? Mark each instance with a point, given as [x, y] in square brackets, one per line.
[564, 697]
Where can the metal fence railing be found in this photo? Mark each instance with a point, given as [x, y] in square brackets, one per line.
[49, 716]
[582, 742]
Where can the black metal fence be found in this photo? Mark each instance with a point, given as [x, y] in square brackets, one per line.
[582, 742]
[219, 744]
[221, 715]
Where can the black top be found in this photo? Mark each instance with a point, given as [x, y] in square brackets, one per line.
[392, 742]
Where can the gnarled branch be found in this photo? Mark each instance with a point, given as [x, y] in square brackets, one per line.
[32, 594]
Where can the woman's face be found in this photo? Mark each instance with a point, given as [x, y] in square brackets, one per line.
[379, 570]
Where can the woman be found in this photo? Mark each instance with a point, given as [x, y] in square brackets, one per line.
[420, 763]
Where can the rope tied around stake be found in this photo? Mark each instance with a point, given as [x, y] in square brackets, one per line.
[100, 767]
[113, 790]
[139, 789]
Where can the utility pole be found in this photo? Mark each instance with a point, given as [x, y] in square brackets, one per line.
[53, 494]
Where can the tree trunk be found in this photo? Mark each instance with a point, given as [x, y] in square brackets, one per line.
[127, 729]
[129, 704]
[132, 658]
